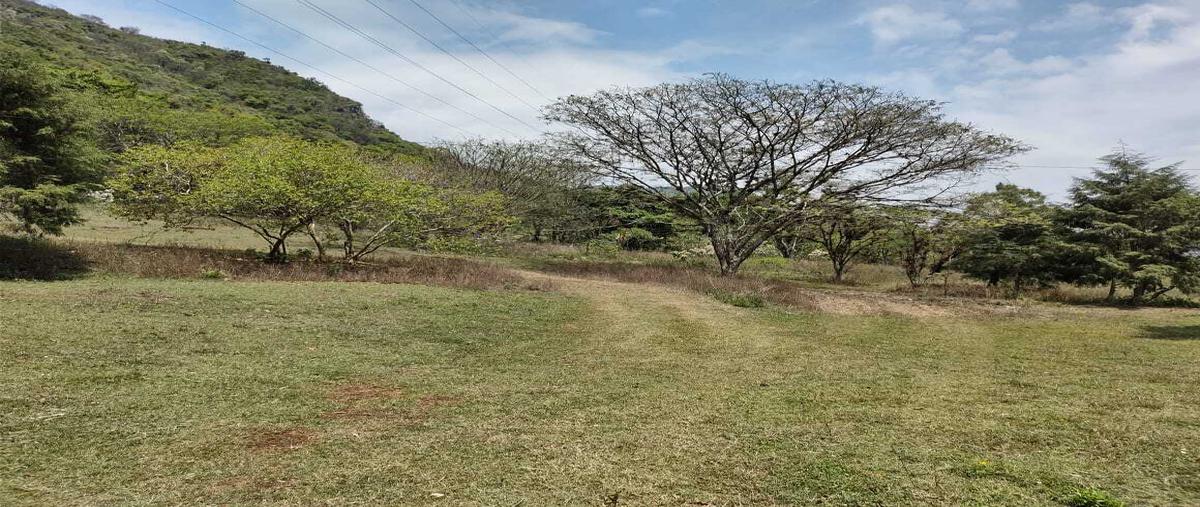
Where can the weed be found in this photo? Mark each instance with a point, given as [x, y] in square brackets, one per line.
[738, 299]
[1090, 497]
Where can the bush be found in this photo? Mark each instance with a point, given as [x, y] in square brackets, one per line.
[603, 246]
[213, 274]
[738, 299]
[636, 238]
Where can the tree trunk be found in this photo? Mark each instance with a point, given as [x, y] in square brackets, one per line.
[786, 245]
[1112, 291]
[839, 271]
[729, 258]
[312, 233]
[278, 251]
[1139, 292]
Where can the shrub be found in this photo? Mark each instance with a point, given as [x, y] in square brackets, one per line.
[603, 246]
[636, 238]
[213, 274]
[1090, 497]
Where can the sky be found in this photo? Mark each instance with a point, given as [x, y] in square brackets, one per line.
[1071, 79]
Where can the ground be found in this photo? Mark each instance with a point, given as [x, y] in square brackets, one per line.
[147, 391]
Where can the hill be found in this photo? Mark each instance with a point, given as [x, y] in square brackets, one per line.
[133, 83]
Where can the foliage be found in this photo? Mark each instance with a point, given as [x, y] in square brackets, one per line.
[273, 186]
[46, 162]
[280, 186]
[744, 158]
[1136, 227]
[189, 91]
[1009, 237]
[539, 185]
[1090, 497]
[925, 240]
[845, 231]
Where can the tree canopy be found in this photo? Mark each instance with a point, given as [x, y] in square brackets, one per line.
[745, 158]
[46, 160]
[1137, 227]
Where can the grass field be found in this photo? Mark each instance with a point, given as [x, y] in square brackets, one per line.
[142, 391]
[584, 384]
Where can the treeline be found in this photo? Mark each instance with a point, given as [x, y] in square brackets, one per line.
[714, 166]
[1128, 225]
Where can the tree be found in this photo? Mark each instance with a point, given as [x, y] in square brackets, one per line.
[538, 183]
[746, 158]
[46, 162]
[845, 231]
[398, 213]
[1137, 227]
[927, 240]
[1009, 237]
[274, 186]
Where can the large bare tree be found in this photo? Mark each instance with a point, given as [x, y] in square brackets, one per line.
[745, 158]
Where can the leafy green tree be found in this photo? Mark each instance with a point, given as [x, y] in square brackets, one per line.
[275, 186]
[46, 161]
[1136, 227]
[399, 213]
[1010, 237]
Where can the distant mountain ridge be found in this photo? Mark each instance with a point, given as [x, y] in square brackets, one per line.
[183, 77]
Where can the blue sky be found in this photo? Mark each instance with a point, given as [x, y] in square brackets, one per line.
[1072, 79]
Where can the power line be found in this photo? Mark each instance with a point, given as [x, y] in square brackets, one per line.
[372, 67]
[448, 53]
[310, 66]
[1023, 166]
[402, 56]
[459, 5]
[479, 49]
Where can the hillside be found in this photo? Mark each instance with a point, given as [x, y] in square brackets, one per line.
[185, 83]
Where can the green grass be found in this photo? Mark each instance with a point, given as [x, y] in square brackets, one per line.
[142, 391]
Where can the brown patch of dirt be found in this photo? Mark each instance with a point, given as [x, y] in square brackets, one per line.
[281, 440]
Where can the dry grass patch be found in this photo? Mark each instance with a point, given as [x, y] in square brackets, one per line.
[288, 439]
[53, 260]
[749, 288]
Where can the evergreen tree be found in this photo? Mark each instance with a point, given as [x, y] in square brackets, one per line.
[46, 162]
[1010, 237]
[1136, 227]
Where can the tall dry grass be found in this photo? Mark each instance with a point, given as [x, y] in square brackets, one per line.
[51, 259]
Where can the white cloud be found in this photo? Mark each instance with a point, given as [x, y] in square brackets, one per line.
[1001, 62]
[1139, 91]
[652, 12]
[1003, 37]
[992, 5]
[1077, 16]
[517, 27]
[895, 23]
[558, 57]
[1143, 19]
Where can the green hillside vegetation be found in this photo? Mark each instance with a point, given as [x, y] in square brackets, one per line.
[136, 88]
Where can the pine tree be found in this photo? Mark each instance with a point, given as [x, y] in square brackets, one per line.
[1139, 227]
[46, 162]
